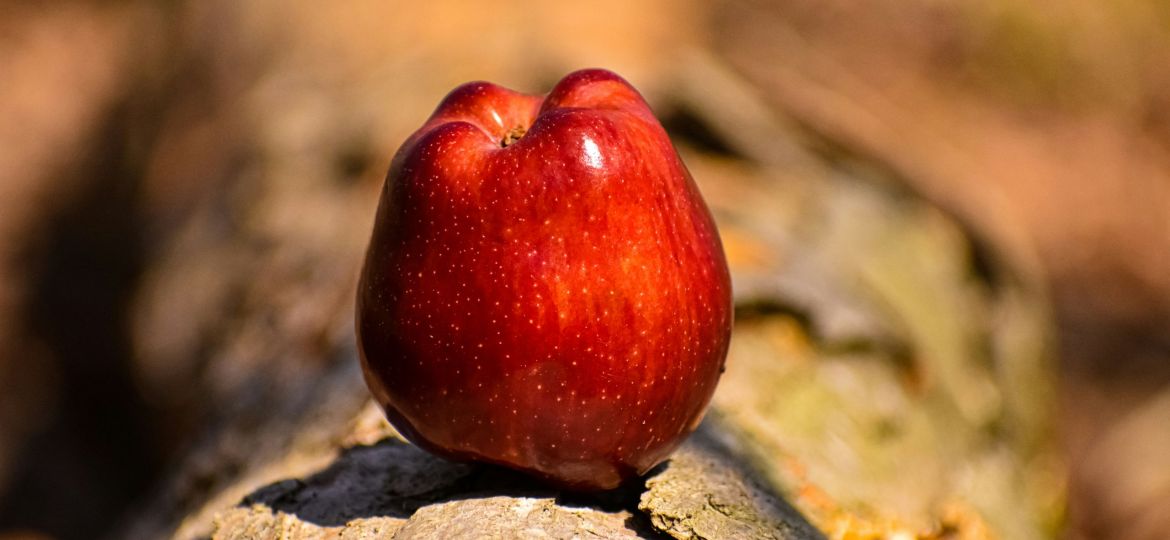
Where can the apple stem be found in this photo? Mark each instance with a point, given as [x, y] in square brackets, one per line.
[512, 136]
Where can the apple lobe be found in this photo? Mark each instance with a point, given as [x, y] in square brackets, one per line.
[544, 288]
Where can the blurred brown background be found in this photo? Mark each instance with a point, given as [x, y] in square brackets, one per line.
[1042, 126]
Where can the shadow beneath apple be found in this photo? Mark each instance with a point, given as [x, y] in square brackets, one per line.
[708, 483]
[394, 479]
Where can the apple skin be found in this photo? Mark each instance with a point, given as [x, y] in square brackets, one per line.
[560, 305]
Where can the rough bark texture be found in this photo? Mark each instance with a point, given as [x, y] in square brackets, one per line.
[704, 492]
[392, 488]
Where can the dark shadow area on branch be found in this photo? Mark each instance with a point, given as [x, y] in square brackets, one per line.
[685, 126]
[761, 309]
[395, 479]
[388, 479]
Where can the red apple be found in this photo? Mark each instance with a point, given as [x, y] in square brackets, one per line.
[545, 288]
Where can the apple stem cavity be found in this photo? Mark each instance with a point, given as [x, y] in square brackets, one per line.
[512, 136]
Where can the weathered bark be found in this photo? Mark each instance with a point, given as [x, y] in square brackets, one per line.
[394, 488]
